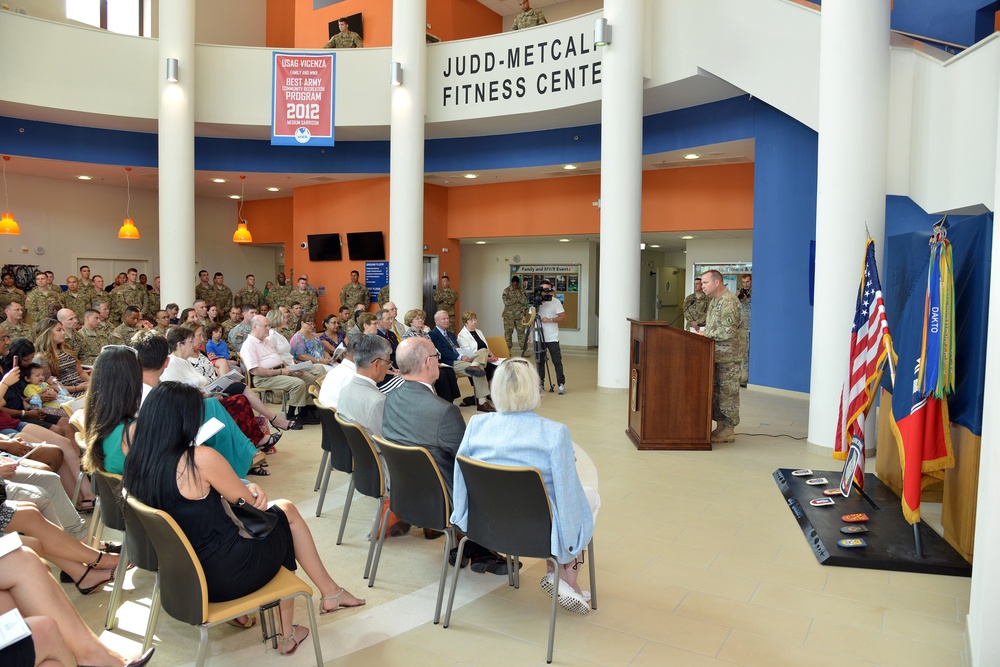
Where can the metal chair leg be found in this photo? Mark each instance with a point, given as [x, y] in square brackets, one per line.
[454, 579]
[314, 628]
[552, 612]
[346, 510]
[154, 615]
[593, 575]
[448, 544]
[377, 545]
[116, 591]
[322, 468]
[95, 522]
[79, 485]
[202, 646]
[326, 483]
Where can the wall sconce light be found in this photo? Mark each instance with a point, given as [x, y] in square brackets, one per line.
[395, 74]
[128, 230]
[172, 70]
[7, 223]
[602, 32]
[242, 234]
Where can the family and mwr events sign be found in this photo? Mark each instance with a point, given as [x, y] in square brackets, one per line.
[547, 67]
[302, 108]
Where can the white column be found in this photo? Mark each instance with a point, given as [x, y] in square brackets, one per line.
[176, 153]
[984, 603]
[406, 154]
[621, 188]
[853, 112]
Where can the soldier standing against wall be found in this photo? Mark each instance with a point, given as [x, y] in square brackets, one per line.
[354, 293]
[515, 303]
[446, 298]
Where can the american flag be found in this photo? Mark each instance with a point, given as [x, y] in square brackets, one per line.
[871, 346]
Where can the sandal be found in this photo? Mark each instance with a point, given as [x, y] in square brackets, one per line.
[337, 607]
[283, 647]
[235, 622]
[268, 445]
[259, 471]
[290, 424]
[90, 568]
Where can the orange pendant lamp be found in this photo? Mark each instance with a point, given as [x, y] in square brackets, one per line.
[242, 234]
[7, 223]
[128, 229]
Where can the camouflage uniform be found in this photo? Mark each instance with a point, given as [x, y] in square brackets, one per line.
[7, 296]
[528, 19]
[73, 341]
[724, 323]
[160, 330]
[289, 329]
[38, 302]
[90, 343]
[445, 300]
[228, 326]
[86, 284]
[308, 300]
[105, 329]
[514, 306]
[205, 293]
[21, 330]
[278, 295]
[237, 336]
[223, 298]
[125, 295]
[345, 40]
[123, 333]
[153, 303]
[77, 301]
[352, 294]
[249, 296]
[383, 296]
[695, 309]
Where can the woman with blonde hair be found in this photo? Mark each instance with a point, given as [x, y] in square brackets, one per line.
[515, 436]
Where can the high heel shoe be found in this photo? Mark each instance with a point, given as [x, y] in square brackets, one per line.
[141, 661]
[90, 568]
[283, 642]
[292, 424]
[336, 598]
[268, 445]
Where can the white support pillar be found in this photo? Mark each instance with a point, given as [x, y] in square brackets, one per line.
[621, 188]
[406, 153]
[853, 117]
[984, 602]
[176, 153]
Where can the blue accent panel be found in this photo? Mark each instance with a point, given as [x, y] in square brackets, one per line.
[727, 120]
[76, 144]
[361, 157]
[521, 149]
[784, 228]
[953, 21]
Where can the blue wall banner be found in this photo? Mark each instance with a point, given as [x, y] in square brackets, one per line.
[303, 87]
[376, 277]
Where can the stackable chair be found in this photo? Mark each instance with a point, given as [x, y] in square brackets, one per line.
[336, 456]
[509, 512]
[184, 591]
[368, 478]
[498, 346]
[419, 497]
[142, 554]
[264, 391]
[107, 486]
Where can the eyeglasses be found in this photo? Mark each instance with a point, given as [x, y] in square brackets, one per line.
[121, 347]
[436, 355]
[386, 361]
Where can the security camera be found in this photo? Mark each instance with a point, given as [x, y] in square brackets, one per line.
[303, 245]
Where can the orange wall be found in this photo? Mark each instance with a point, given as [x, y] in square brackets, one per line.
[280, 28]
[462, 19]
[269, 220]
[675, 199]
[311, 31]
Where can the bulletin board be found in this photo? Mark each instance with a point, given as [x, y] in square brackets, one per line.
[565, 282]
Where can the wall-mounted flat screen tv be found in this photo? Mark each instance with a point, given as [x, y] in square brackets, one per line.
[324, 247]
[365, 245]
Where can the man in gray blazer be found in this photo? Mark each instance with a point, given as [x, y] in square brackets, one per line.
[360, 400]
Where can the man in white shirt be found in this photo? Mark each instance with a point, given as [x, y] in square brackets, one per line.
[265, 364]
[339, 376]
[550, 313]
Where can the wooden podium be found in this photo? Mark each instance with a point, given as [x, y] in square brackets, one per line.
[670, 387]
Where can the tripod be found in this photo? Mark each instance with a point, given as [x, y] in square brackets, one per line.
[538, 345]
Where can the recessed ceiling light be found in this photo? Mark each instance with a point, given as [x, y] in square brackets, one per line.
[692, 156]
[563, 240]
[480, 242]
[234, 196]
[686, 238]
[569, 167]
[218, 180]
[85, 178]
[471, 176]
[654, 246]
[273, 189]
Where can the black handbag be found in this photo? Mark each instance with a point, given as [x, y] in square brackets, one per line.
[3, 490]
[258, 524]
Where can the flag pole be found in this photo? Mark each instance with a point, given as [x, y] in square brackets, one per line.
[865, 495]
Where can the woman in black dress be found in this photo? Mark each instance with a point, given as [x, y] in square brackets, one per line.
[163, 470]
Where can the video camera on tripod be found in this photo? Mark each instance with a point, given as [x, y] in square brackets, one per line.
[538, 295]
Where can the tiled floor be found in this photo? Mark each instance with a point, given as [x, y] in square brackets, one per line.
[699, 563]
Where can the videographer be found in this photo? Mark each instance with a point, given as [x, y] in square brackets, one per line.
[550, 313]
